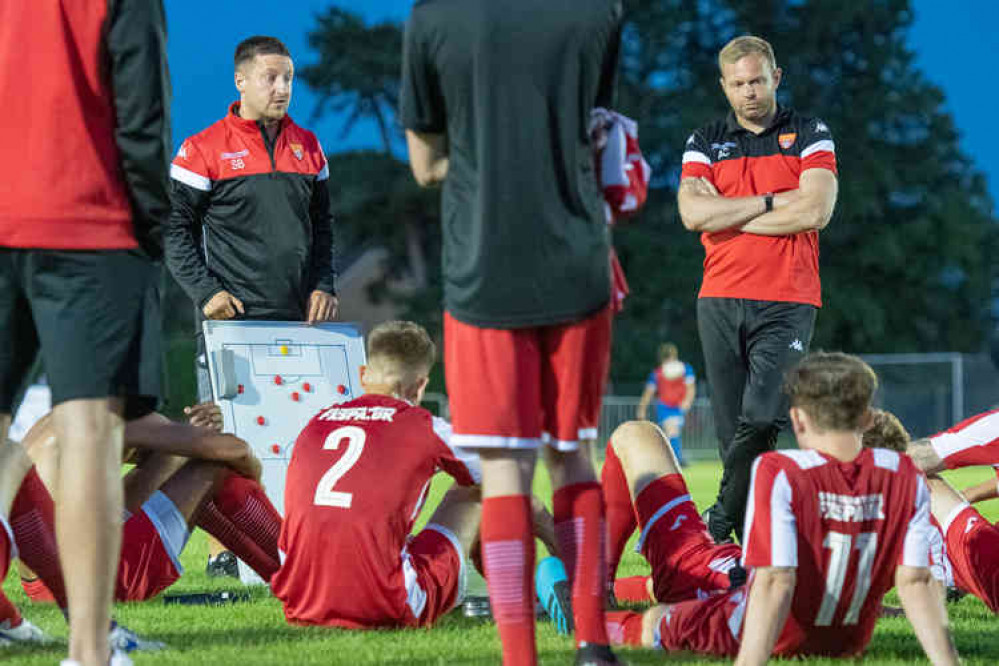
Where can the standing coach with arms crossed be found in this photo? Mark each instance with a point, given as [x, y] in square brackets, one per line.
[758, 185]
[496, 101]
[251, 231]
[83, 157]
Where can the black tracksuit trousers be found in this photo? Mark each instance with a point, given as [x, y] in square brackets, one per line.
[748, 347]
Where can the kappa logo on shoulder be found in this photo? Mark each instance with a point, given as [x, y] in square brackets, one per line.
[821, 127]
[797, 345]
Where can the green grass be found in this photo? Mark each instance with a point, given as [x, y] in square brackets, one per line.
[254, 632]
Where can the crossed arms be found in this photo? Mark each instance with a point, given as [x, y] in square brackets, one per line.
[810, 207]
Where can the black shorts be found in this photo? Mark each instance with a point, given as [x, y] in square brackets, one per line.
[94, 316]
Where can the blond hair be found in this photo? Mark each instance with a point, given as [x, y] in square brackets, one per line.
[886, 432]
[401, 352]
[834, 388]
[740, 47]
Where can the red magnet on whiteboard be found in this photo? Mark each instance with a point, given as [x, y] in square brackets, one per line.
[240, 389]
[307, 387]
[261, 420]
[295, 396]
[341, 389]
[278, 380]
[275, 448]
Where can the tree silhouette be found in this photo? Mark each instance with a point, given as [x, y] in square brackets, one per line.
[358, 70]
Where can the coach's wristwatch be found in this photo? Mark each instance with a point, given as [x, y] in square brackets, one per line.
[768, 199]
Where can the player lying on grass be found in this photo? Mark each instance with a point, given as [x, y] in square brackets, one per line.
[686, 563]
[972, 442]
[855, 518]
[357, 480]
[972, 542]
[185, 475]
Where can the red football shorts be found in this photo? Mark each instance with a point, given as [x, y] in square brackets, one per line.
[707, 626]
[686, 563]
[145, 568]
[435, 556]
[973, 549]
[514, 388]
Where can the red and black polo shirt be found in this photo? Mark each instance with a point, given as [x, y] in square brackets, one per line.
[252, 216]
[739, 164]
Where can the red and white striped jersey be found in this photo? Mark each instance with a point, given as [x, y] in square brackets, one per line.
[844, 527]
[974, 441]
[357, 480]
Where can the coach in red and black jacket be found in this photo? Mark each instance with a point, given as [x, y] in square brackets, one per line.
[758, 185]
[250, 232]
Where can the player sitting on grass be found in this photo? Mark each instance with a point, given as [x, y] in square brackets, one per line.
[14, 629]
[972, 542]
[855, 518]
[185, 475]
[358, 478]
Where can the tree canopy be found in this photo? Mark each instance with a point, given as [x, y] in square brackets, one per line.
[906, 259]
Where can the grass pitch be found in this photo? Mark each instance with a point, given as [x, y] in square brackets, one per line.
[254, 633]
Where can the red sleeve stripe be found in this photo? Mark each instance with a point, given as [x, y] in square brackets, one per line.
[189, 178]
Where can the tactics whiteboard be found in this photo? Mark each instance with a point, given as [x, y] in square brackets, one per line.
[269, 378]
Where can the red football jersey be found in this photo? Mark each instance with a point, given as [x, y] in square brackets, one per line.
[358, 477]
[844, 527]
[974, 441]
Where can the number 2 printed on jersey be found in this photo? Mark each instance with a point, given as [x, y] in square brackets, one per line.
[325, 495]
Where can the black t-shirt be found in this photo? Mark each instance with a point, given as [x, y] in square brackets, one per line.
[512, 84]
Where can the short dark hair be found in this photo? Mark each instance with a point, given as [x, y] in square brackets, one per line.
[668, 352]
[251, 47]
[834, 388]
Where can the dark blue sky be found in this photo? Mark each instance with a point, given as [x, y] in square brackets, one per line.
[954, 42]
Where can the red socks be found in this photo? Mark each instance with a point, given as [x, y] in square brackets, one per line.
[579, 526]
[10, 617]
[244, 520]
[621, 519]
[633, 589]
[625, 628]
[508, 555]
[32, 518]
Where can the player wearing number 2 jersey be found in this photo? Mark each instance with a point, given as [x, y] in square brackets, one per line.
[830, 528]
[357, 480]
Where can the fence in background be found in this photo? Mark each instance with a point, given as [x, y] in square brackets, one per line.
[926, 391]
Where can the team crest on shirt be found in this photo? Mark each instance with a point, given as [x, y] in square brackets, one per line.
[297, 150]
[787, 140]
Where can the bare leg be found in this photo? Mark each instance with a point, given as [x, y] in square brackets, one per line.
[191, 485]
[460, 511]
[148, 477]
[645, 454]
[88, 518]
[944, 498]
[14, 464]
[4, 426]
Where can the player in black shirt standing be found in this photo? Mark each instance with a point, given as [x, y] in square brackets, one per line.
[496, 101]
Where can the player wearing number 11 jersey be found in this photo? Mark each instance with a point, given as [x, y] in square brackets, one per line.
[830, 529]
[358, 478]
